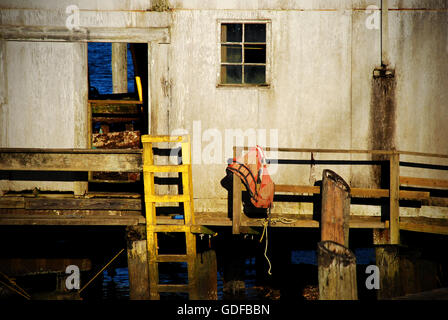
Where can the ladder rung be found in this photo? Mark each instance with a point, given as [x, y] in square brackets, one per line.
[167, 198]
[168, 228]
[173, 288]
[166, 168]
[150, 138]
[172, 258]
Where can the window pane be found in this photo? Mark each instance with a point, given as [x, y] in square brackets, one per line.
[231, 53]
[255, 53]
[255, 32]
[231, 74]
[255, 74]
[231, 32]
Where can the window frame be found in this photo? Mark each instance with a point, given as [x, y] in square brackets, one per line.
[267, 64]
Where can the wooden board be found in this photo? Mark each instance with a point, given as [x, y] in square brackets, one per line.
[355, 192]
[91, 204]
[105, 108]
[112, 160]
[424, 182]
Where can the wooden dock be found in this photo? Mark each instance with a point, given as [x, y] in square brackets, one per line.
[128, 209]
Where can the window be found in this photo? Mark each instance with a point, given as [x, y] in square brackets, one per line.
[243, 53]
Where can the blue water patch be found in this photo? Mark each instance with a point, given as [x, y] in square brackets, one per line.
[304, 256]
[100, 67]
[363, 256]
[116, 284]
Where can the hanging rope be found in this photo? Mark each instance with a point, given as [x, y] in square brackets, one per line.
[99, 272]
[265, 231]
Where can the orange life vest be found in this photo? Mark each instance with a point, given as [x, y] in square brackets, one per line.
[253, 172]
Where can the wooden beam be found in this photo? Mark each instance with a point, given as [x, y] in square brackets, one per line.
[86, 204]
[424, 182]
[91, 34]
[109, 103]
[71, 160]
[66, 221]
[297, 189]
[34, 266]
[12, 202]
[394, 196]
[355, 192]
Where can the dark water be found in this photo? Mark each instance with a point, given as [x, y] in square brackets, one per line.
[116, 281]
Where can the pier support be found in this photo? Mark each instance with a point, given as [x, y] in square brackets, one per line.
[402, 269]
[206, 276]
[234, 267]
[137, 263]
[336, 263]
[119, 67]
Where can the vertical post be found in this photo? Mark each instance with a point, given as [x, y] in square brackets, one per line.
[336, 263]
[119, 67]
[150, 208]
[394, 196]
[388, 261]
[237, 197]
[335, 216]
[206, 275]
[190, 238]
[137, 263]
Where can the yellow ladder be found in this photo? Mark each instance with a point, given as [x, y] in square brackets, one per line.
[152, 227]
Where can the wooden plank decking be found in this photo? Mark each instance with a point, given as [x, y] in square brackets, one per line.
[121, 209]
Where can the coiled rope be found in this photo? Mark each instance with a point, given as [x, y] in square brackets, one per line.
[271, 221]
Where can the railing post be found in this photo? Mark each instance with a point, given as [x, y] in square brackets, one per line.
[394, 197]
[237, 197]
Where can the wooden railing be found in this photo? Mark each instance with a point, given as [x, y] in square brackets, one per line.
[393, 192]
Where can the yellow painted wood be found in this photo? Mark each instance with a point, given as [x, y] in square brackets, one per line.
[168, 198]
[149, 168]
[172, 258]
[173, 288]
[166, 168]
[154, 139]
[139, 88]
[169, 228]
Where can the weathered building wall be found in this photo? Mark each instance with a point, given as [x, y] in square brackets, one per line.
[321, 94]
[43, 71]
[308, 101]
[44, 102]
[322, 91]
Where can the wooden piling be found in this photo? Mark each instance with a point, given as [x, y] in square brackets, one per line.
[335, 214]
[206, 275]
[119, 67]
[137, 263]
[336, 263]
[336, 271]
